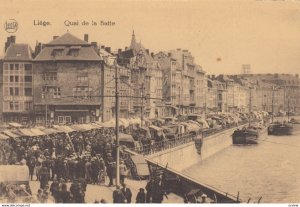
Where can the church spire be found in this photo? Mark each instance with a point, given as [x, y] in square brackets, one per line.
[133, 41]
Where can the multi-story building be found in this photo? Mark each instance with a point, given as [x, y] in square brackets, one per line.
[146, 79]
[67, 81]
[183, 82]
[17, 82]
[108, 87]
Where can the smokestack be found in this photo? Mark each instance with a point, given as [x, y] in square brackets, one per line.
[54, 37]
[86, 37]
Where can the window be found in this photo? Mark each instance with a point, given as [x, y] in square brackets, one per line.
[11, 79]
[57, 52]
[11, 66]
[74, 53]
[83, 78]
[16, 106]
[28, 106]
[16, 91]
[11, 106]
[16, 79]
[28, 67]
[28, 91]
[16, 66]
[56, 93]
[11, 91]
[5, 66]
[50, 76]
[28, 79]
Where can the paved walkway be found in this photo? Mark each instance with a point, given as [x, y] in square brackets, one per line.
[98, 192]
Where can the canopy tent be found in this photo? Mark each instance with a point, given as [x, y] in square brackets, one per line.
[11, 134]
[13, 124]
[3, 136]
[65, 129]
[133, 121]
[155, 128]
[109, 124]
[97, 124]
[192, 127]
[125, 137]
[27, 132]
[51, 131]
[124, 122]
[37, 132]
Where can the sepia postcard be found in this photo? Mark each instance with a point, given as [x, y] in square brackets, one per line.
[128, 101]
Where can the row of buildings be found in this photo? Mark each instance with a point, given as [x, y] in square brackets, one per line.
[72, 80]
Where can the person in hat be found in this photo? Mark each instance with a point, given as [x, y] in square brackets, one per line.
[204, 198]
[123, 171]
[141, 196]
[118, 196]
[127, 193]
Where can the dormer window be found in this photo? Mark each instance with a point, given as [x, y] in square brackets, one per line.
[74, 51]
[57, 51]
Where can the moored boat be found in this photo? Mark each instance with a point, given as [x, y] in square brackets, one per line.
[245, 136]
[277, 128]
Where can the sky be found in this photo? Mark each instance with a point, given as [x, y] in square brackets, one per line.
[221, 34]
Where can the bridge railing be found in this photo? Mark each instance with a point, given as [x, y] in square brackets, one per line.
[147, 149]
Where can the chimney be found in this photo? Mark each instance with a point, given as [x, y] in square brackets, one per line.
[54, 37]
[12, 39]
[103, 47]
[213, 77]
[7, 43]
[86, 37]
[169, 54]
[126, 48]
[119, 51]
[297, 75]
[37, 49]
[152, 54]
[94, 45]
[147, 51]
[107, 49]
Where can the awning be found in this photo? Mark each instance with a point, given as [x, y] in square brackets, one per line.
[37, 132]
[10, 134]
[13, 124]
[27, 132]
[3, 136]
[134, 121]
[125, 137]
[65, 129]
[124, 122]
[51, 131]
[155, 128]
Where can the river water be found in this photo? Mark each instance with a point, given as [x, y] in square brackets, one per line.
[270, 169]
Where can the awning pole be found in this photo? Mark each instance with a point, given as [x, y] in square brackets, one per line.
[117, 127]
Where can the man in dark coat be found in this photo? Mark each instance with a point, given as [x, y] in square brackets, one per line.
[31, 166]
[118, 196]
[141, 196]
[149, 188]
[44, 176]
[127, 193]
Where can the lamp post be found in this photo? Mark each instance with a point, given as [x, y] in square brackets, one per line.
[117, 126]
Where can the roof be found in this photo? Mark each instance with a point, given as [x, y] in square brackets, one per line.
[21, 52]
[84, 53]
[68, 39]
